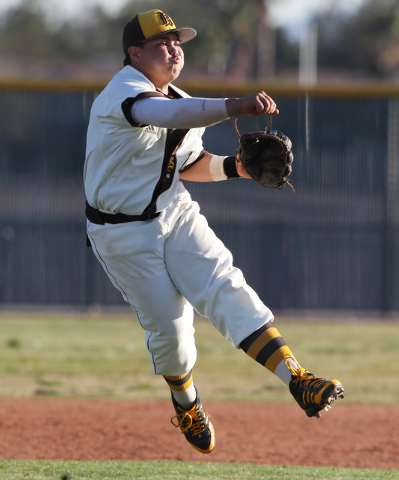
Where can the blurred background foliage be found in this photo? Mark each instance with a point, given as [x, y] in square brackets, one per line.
[236, 41]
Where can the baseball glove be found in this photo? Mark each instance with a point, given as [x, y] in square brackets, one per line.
[266, 156]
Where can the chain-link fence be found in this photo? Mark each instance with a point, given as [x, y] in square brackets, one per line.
[334, 244]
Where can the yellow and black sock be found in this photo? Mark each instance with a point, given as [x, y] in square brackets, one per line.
[267, 347]
[183, 389]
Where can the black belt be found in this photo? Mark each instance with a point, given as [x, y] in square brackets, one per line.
[100, 218]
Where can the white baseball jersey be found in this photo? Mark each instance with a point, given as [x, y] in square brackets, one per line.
[129, 168]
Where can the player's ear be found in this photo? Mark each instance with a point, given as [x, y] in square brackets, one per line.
[135, 54]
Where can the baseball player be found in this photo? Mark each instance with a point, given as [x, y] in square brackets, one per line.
[144, 136]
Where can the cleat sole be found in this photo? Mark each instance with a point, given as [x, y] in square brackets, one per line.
[313, 394]
[337, 393]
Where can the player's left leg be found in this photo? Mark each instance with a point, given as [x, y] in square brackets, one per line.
[312, 393]
[218, 290]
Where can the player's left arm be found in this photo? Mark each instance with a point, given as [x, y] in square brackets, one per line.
[211, 168]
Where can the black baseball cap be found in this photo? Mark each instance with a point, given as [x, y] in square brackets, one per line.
[151, 24]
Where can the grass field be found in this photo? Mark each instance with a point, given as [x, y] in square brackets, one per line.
[168, 470]
[105, 357]
[69, 355]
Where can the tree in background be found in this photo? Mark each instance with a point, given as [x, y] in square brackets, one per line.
[235, 41]
[365, 45]
[23, 30]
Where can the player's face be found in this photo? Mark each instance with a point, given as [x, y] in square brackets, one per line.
[161, 59]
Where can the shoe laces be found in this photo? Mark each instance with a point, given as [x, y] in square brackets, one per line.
[302, 375]
[193, 421]
[296, 370]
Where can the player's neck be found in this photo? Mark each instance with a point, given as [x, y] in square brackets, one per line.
[164, 89]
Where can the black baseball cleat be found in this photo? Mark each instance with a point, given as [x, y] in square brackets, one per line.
[312, 393]
[195, 425]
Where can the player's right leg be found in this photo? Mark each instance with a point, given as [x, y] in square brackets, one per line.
[132, 257]
[190, 417]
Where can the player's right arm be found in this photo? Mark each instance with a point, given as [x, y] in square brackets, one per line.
[253, 105]
[198, 112]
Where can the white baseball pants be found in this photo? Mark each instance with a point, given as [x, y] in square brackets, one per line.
[165, 267]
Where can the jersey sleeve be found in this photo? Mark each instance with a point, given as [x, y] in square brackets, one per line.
[128, 85]
[127, 106]
[179, 112]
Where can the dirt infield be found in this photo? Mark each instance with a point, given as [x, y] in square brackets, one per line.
[66, 429]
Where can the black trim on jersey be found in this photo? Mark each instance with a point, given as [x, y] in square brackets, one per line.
[185, 167]
[172, 93]
[128, 103]
[174, 139]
